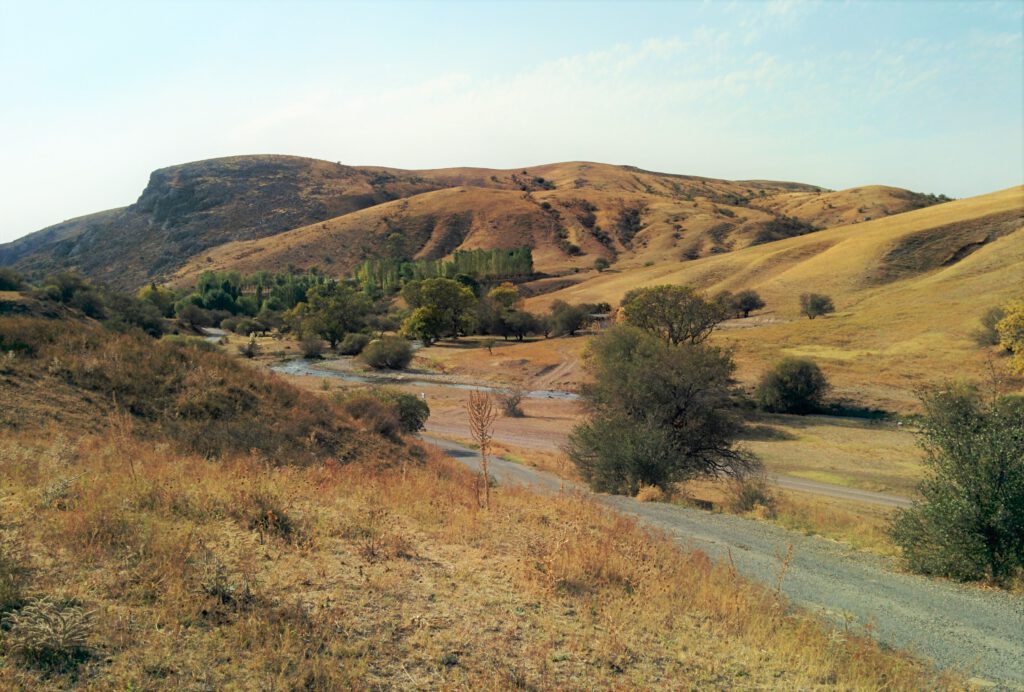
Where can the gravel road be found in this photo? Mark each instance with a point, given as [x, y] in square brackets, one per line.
[978, 632]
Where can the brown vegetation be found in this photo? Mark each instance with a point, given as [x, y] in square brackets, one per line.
[236, 574]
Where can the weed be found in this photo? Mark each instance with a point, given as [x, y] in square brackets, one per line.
[49, 634]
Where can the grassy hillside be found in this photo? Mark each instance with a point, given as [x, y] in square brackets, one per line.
[270, 211]
[908, 289]
[164, 525]
[570, 214]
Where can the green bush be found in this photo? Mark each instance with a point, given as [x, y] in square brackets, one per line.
[969, 523]
[411, 410]
[353, 344]
[388, 353]
[794, 385]
[10, 280]
[815, 304]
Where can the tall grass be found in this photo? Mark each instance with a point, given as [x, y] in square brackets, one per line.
[248, 575]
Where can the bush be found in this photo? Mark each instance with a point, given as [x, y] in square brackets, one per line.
[815, 304]
[311, 347]
[1011, 334]
[987, 334]
[794, 385]
[600, 264]
[651, 493]
[511, 401]
[353, 344]
[411, 410]
[250, 349]
[388, 353]
[10, 280]
[970, 523]
[749, 495]
[373, 414]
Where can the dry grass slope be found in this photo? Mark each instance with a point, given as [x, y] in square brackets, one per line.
[569, 213]
[135, 555]
[909, 290]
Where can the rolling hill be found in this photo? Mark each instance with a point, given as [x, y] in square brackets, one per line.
[269, 212]
[909, 291]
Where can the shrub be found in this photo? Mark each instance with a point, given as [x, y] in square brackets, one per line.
[815, 304]
[373, 414]
[749, 495]
[600, 264]
[49, 634]
[10, 280]
[250, 349]
[650, 493]
[412, 411]
[311, 347]
[353, 344]
[970, 522]
[794, 385]
[511, 401]
[987, 334]
[1011, 334]
[388, 353]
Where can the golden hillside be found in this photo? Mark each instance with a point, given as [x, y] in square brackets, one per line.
[908, 290]
[826, 209]
[570, 213]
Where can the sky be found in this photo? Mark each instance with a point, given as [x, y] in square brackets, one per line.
[95, 95]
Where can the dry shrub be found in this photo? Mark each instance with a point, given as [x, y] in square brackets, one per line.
[206, 402]
[311, 347]
[373, 415]
[511, 401]
[49, 634]
[378, 535]
[651, 493]
[751, 494]
[261, 510]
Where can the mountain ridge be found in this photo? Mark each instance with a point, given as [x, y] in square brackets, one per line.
[215, 213]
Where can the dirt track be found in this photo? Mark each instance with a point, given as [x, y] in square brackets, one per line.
[979, 632]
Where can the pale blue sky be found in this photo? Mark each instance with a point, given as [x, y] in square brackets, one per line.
[95, 95]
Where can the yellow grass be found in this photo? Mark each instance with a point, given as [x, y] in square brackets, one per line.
[237, 575]
[873, 455]
[887, 339]
[680, 215]
[859, 525]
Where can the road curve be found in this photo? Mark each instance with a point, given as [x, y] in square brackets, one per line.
[978, 632]
[841, 492]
